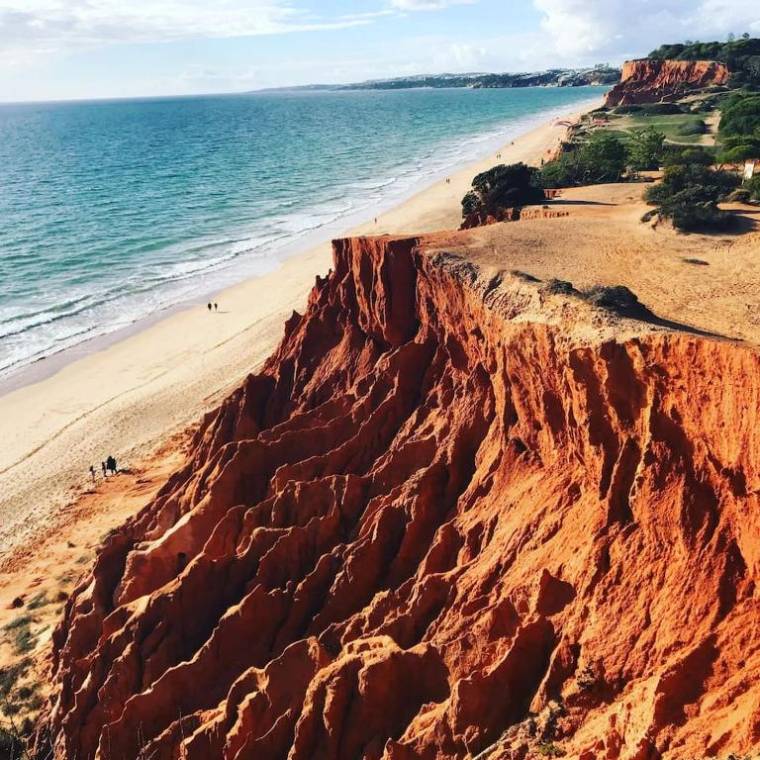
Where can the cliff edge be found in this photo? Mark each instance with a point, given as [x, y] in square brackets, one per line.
[650, 80]
[441, 522]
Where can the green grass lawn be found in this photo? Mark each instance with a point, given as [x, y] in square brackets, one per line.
[622, 126]
[668, 125]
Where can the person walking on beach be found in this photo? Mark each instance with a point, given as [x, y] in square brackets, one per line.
[111, 464]
[103, 467]
[216, 306]
[92, 472]
[209, 305]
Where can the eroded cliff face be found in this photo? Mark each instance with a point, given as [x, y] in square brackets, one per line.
[514, 214]
[434, 528]
[649, 80]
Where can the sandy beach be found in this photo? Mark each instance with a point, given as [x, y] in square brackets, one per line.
[129, 397]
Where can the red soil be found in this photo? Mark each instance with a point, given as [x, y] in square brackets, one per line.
[428, 530]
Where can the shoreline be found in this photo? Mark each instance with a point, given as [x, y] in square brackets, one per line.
[46, 366]
[127, 397]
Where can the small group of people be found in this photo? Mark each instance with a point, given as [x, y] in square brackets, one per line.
[108, 467]
[213, 306]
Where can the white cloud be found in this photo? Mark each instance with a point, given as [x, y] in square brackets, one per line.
[428, 5]
[33, 28]
[29, 27]
[623, 27]
[35, 36]
[467, 56]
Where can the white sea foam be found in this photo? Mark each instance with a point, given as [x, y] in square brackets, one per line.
[269, 228]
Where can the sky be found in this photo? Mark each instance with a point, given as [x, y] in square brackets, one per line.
[63, 49]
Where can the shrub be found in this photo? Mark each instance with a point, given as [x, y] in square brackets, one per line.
[560, 287]
[9, 675]
[739, 148]
[662, 109]
[651, 109]
[740, 115]
[645, 151]
[713, 185]
[616, 298]
[26, 692]
[706, 105]
[24, 640]
[587, 678]
[697, 127]
[550, 749]
[605, 157]
[688, 195]
[37, 601]
[738, 153]
[602, 159]
[688, 210]
[10, 744]
[504, 186]
[628, 109]
[562, 172]
[753, 187]
[675, 154]
[22, 621]
[470, 203]
[21, 633]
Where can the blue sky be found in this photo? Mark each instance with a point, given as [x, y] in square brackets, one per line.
[56, 49]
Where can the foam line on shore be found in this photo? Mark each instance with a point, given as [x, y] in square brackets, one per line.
[188, 272]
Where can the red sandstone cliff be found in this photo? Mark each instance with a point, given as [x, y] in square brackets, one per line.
[430, 529]
[650, 81]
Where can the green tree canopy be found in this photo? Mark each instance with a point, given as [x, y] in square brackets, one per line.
[740, 115]
[740, 55]
[602, 159]
[503, 186]
[646, 149]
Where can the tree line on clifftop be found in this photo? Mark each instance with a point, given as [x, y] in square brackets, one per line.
[741, 55]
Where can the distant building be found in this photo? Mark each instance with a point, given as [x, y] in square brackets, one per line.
[751, 168]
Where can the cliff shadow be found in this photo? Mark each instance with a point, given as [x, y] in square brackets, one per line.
[623, 302]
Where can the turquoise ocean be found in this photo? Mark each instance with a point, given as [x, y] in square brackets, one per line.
[113, 211]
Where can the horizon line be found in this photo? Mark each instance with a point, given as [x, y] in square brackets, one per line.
[285, 88]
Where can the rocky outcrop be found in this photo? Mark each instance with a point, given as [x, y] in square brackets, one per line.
[434, 528]
[649, 80]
